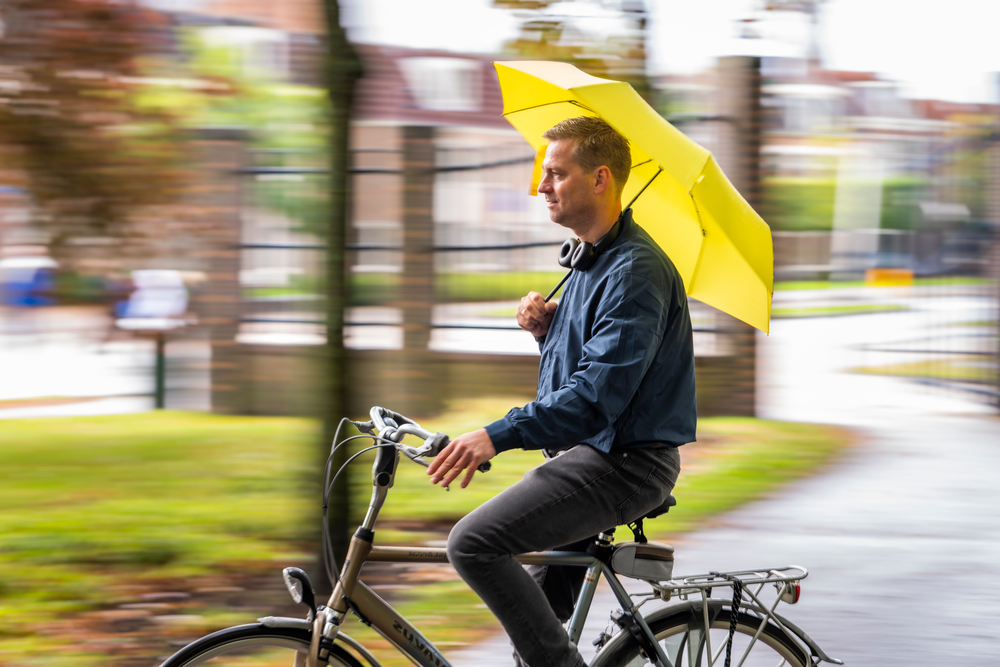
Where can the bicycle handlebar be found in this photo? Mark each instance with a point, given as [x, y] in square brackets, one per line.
[394, 426]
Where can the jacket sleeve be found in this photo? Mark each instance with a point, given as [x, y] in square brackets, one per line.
[627, 329]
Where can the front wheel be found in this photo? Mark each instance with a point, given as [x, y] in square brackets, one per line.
[683, 640]
[255, 645]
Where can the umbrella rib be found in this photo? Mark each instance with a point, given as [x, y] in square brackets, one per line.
[659, 171]
[701, 253]
[548, 104]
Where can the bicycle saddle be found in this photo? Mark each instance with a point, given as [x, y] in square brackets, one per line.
[659, 510]
[663, 508]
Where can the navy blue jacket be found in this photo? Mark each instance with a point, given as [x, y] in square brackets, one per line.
[617, 366]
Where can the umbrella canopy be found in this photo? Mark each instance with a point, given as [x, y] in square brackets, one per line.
[718, 243]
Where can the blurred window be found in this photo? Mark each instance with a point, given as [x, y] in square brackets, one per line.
[444, 84]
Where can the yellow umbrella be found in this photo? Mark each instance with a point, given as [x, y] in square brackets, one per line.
[718, 243]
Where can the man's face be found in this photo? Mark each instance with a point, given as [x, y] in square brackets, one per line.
[569, 192]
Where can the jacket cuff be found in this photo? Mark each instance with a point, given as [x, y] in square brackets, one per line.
[503, 435]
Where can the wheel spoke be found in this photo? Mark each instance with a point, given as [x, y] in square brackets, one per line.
[673, 648]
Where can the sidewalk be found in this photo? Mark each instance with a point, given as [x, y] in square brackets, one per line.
[73, 353]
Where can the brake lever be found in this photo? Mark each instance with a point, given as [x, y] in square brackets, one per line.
[415, 454]
[365, 427]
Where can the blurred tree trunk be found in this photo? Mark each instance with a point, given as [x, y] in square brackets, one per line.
[738, 154]
[343, 70]
[418, 371]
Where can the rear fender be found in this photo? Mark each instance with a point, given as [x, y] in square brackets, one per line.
[693, 610]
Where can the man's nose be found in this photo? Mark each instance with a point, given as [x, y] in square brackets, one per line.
[545, 185]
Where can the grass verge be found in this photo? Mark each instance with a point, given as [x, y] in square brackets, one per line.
[964, 368]
[832, 311]
[794, 285]
[123, 534]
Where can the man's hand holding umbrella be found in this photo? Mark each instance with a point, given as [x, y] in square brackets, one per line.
[534, 314]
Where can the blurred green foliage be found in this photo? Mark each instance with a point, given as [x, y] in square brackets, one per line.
[288, 124]
[617, 52]
[798, 204]
[379, 288]
[69, 122]
[805, 204]
[504, 286]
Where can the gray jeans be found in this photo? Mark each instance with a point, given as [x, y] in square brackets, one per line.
[565, 501]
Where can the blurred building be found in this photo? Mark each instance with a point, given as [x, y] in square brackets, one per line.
[855, 176]
[481, 164]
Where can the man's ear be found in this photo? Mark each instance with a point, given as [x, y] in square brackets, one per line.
[602, 180]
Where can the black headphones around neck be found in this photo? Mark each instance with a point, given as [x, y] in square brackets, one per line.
[580, 255]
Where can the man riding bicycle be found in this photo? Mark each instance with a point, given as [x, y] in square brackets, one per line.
[616, 398]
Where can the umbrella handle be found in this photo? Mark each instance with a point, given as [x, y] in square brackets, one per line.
[561, 283]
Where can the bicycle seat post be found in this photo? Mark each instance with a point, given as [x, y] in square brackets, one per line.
[574, 628]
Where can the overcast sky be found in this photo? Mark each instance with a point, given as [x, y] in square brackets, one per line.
[943, 49]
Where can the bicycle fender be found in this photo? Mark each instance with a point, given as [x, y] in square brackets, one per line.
[808, 641]
[285, 622]
[303, 624]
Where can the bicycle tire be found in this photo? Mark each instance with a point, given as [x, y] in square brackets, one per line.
[677, 632]
[256, 645]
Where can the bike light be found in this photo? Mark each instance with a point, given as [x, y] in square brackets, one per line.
[793, 590]
[300, 588]
[293, 583]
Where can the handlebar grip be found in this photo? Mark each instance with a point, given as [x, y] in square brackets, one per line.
[439, 441]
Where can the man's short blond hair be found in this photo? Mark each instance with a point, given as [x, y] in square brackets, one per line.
[596, 144]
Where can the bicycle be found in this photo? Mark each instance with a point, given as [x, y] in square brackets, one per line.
[742, 625]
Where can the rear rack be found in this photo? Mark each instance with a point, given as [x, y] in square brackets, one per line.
[784, 579]
[701, 584]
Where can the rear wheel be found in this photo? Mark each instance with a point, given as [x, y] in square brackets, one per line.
[683, 640]
[256, 645]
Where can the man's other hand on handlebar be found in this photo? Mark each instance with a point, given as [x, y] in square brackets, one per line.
[464, 453]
